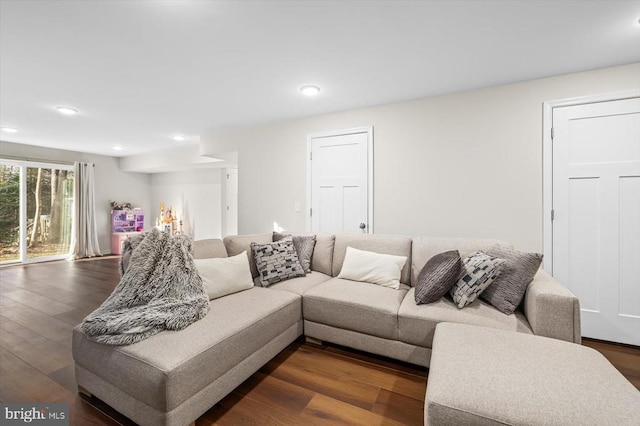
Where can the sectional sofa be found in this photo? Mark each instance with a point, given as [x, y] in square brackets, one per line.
[172, 378]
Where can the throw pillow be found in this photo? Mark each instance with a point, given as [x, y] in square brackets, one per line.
[370, 267]
[225, 275]
[478, 272]
[437, 277]
[276, 261]
[304, 247]
[506, 293]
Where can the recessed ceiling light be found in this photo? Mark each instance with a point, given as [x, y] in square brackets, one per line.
[67, 110]
[117, 148]
[178, 138]
[310, 90]
[8, 129]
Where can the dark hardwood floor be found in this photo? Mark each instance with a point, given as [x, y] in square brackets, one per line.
[305, 384]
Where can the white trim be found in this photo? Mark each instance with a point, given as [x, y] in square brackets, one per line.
[23, 213]
[36, 164]
[547, 161]
[370, 227]
[39, 259]
[352, 131]
[308, 205]
[365, 129]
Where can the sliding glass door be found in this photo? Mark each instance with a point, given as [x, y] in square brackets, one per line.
[36, 211]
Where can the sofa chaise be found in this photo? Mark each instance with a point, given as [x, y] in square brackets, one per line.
[172, 378]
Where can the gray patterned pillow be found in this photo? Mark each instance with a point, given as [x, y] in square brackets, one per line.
[506, 293]
[304, 247]
[478, 272]
[437, 277]
[276, 261]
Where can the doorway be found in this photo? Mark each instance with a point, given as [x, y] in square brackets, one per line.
[340, 181]
[231, 202]
[36, 211]
[592, 192]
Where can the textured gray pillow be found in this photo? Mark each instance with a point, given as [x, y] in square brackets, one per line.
[506, 293]
[276, 261]
[437, 277]
[479, 271]
[304, 247]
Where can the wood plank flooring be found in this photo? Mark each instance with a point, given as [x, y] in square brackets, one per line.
[305, 384]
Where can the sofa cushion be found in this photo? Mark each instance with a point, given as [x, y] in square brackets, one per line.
[355, 306]
[417, 323]
[386, 244]
[206, 249]
[374, 268]
[437, 277]
[322, 260]
[168, 368]
[298, 285]
[424, 248]
[236, 244]
[507, 291]
[276, 261]
[224, 275]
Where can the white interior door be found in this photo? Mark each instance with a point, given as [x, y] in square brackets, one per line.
[340, 181]
[232, 202]
[596, 205]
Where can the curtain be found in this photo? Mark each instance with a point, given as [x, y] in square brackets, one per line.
[84, 241]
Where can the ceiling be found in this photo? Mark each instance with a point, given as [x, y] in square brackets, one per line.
[139, 72]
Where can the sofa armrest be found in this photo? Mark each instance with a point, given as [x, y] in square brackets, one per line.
[551, 309]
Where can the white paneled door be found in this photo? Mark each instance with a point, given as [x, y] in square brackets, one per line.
[596, 221]
[340, 181]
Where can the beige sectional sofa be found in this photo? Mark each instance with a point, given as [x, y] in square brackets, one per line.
[172, 378]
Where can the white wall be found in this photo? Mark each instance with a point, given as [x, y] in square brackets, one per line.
[194, 194]
[111, 184]
[466, 164]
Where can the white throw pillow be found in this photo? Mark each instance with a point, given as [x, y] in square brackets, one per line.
[370, 267]
[225, 275]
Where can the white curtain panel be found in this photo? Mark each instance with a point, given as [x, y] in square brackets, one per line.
[85, 236]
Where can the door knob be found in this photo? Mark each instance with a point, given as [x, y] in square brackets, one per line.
[362, 226]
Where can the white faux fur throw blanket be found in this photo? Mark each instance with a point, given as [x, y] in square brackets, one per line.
[160, 290]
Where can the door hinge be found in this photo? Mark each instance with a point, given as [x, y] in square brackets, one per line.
[227, 175]
[553, 215]
[552, 133]
[311, 156]
[310, 212]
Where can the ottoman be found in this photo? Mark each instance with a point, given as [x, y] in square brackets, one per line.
[484, 376]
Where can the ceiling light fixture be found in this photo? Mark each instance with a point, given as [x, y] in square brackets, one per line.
[178, 138]
[309, 90]
[117, 148]
[67, 110]
[8, 129]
